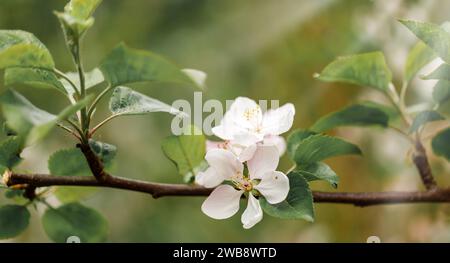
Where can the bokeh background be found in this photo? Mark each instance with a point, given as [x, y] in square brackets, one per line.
[263, 49]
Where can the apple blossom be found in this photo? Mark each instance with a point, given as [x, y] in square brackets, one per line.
[245, 125]
[262, 180]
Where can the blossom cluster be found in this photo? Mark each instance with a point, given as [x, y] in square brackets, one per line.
[245, 162]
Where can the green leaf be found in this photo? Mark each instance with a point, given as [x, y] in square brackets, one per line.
[92, 79]
[106, 152]
[318, 171]
[442, 73]
[363, 114]
[14, 219]
[10, 150]
[76, 19]
[74, 219]
[187, 152]
[419, 56]
[440, 144]
[319, 147]
[433, 35]
[34, 77]
[423, 118]
[298, 203]
[441, 91]
[125, 65]
[367, 69]
[26, 119]
[22, 49]
[294, 140]
[125, 101]
[68, 162]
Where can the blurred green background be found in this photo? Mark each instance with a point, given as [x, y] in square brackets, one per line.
[263, 49]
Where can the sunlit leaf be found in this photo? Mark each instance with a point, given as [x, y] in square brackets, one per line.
[419, 56]
[298, 204]
[14, 219]
[319, 171]
[74, 219]
[440, 144]
[368, 69]
[125, 65]
[126, 101]
[34, 77]
[23, 49]
[319, 147]
[433, 35]
[424, 117]
[364, 114]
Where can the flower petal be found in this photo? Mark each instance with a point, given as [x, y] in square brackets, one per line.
[209, 178]
[246, 153]
[278, 121]
[222, 203]
[252, 214]
[245, 113]
[274, 186]
[264, 160]
[225, 162]
[277, 141]
[216, 145]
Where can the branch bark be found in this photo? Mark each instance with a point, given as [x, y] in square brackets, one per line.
[159, 190]
[420, 159]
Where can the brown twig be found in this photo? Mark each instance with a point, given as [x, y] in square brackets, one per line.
[160, 190]
[420, 159]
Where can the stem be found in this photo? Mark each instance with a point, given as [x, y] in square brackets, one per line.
[93, 130]
[64, 76]
[97, 100]
[69, 130]
[160, 190]
[420, 159]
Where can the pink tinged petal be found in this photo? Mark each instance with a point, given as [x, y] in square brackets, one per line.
[245, 113]
[274, 186]
[222, 203]
[216, 145]
[264, 160]
[252, 214]
[247, 138]
[277, 141]
[223, 131]
[209, 178]
[278, 121]
[224, 162]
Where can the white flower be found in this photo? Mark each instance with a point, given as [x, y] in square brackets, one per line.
[244, 125]
[262, 180]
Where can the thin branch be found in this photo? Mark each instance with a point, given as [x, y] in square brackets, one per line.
[420, 159]
[93, 130]
[159, 190]
[97, 100]
[69, 130]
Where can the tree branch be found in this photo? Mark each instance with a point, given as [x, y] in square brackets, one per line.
[420, 159]
[159, 190]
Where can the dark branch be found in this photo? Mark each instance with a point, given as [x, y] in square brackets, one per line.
[420, 159]
[160, 190]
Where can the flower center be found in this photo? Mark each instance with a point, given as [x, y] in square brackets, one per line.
[242, 182]
[249, 113]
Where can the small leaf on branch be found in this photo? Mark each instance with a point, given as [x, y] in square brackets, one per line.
[14, 219]
[363, 114]
[423, 118]
[436, 37]
[187, 152]
[294, 140]
[440, 144]
[318, 171]
[367, 69]
[297, 205]
[10, 150]
[22, 49]
[126, 101]
[74, 219]
[92, 79]
[125, 65]
[319, 147]
[419, 56]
